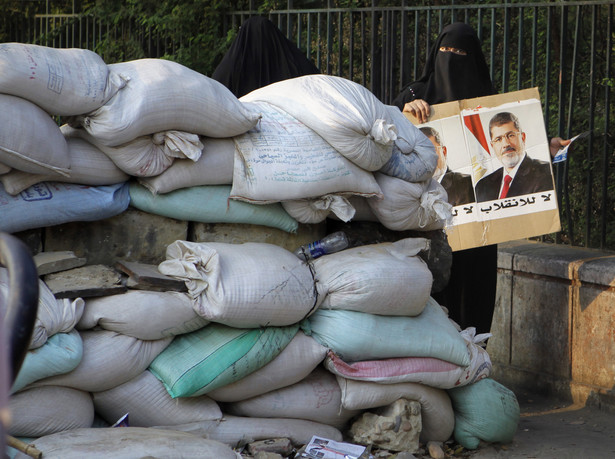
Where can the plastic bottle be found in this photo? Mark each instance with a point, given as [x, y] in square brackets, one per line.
[331, 243]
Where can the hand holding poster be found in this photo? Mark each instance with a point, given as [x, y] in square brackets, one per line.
[495, 165]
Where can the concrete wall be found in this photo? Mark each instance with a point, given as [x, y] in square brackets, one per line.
[554, 322]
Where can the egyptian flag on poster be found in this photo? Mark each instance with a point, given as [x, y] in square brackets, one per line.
[478, 145]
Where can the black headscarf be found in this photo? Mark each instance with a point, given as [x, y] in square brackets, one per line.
[448, 76]
[260, 55]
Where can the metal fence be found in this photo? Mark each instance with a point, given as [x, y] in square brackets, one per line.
[565, 48]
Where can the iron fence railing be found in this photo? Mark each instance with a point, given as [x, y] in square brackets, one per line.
[565, 48]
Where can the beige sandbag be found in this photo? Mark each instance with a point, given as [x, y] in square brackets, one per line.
[53, 315]
[146, 155]
[30, 140]
[149, 404]
[62, 81]
[388, 279]
[129, 442]
[162, 95]
[88, 166]
[283, 159]
[236, 431]
[109, 359]
[214, 167]
[4, 168]
[45, 410]
[316, 398]
[437, 413]
[420, 206]
[344, 113]
[142, 314]
[293, 364]
[243, 285]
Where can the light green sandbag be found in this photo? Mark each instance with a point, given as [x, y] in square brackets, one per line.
[60, 354]
[216, 355]
[210, 204]
[484, 410]
[357, 336]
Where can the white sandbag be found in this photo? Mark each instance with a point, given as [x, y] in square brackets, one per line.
[30, 140]
[146, 155]
[318, 209]
[294, 363]
[88, 166]
[414, 157]
[162, 95]
[149, 404]
[54, 203]
[246, 285]
[420, 206]
[52, 316]
[485, 410]
[344, 113]
[214, 167]
[437, 416]
[60, 354]
[210, 204]
[45, 410]
[109, 359]
[216, 355]
[129, 442]
[142, 314]
[357, 336]
[67, 81]
[315, 398]
[283, 159]
[425, 370]
[237, 431]
[389, 279]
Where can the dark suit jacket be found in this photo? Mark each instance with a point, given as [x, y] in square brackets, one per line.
[458, 187]
[533, 176]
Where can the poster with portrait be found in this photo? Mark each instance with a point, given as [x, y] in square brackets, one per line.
[498, 174]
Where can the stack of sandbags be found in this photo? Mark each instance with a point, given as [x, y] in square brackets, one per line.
[123, 120]
[348, 119]
[38, 83]
[264, 345]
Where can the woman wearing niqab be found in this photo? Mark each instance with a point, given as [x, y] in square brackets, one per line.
[260, 55]
[456, 69]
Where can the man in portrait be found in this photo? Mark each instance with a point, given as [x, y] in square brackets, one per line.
[458, 186]
[519, 174]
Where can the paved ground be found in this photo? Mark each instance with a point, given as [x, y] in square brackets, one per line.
[550, 429]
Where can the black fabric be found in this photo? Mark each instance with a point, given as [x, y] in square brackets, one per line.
[448, 76]
[471, 291]
[260, 55]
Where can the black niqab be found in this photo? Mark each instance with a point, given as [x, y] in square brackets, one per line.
[260, 55]
[448, 76]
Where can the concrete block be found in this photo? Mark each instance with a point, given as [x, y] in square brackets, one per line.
[132, 236]
[598, 271]
[547, 259]
[499, 345]
[53, 262]
[85, 281]
[235, 233]
[540, 325]
[593, 336]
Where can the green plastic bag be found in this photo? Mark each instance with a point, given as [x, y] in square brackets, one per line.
[485, 410]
